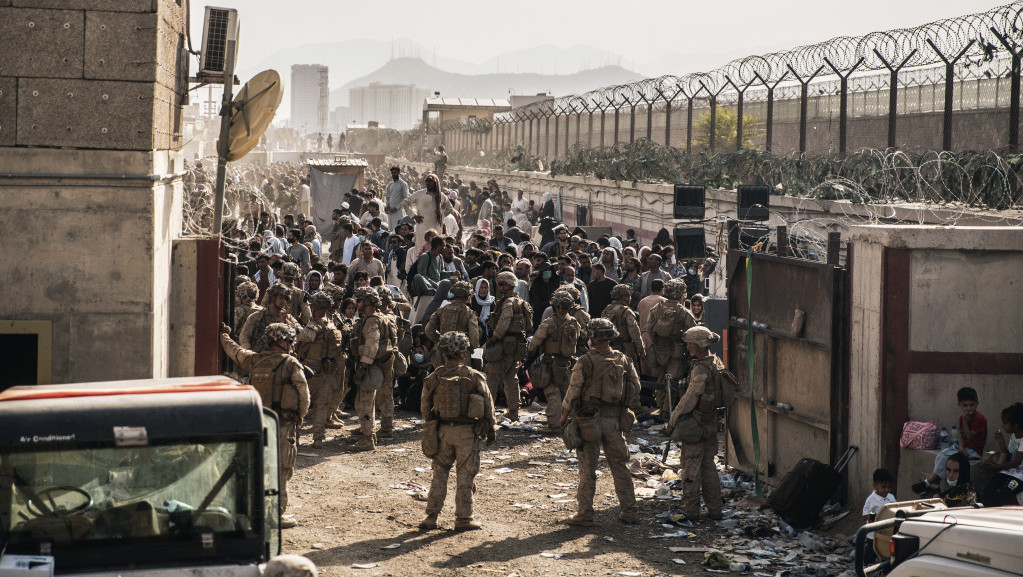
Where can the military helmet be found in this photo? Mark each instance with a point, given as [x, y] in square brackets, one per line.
[453, 343]
[289, 270]
[367, 294]
[602, 329]
[461, 289]
[337, 293]
[278, 290]
[562, 299]
[238, 280]
[386, 296]
[508, 278]
[571, 291]
[321, 300]
[701, 336]
[280, 332]
[290, 566]
[622, 290]
[675, 289]
[247, 292]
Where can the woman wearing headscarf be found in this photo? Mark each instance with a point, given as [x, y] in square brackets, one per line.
[313, 282]
[959, 491]
[662, 239]
[547, 206]
[482, 303]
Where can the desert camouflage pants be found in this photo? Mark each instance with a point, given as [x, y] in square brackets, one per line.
[323, 389]
[617, 454]
[458, 446]
[699, 472]
[287, 446]
[367, 402]
[503, 375]
[556, 387]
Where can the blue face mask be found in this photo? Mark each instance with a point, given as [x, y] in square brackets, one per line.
[451, 296]
[547, 274]
[418, 357]
[692, 271]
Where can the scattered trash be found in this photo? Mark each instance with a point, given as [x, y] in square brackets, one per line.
[558, 495]
[420, 470]
[318, 546]
[364, 565]
[679, 561]
[716, 560]
[522, 505]
[503, 470]
[552, 555]
[391, 546]
[630, 573]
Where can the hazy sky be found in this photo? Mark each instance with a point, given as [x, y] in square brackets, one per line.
[639, 30]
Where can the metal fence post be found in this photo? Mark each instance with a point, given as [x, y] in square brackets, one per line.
[770, 108]
[843, 101]
[946, 132]
[893, 93]
[1013, 48]
[804, 95]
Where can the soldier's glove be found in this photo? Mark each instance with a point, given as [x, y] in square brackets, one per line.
[491, 436]
[224, 329]
[360, 374]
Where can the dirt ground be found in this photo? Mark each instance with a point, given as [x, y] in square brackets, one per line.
[357, 514]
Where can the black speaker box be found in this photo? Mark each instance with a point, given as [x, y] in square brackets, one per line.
[581, 215]
[753, 201]
[690, 243]
[689, 201]
[751, 234]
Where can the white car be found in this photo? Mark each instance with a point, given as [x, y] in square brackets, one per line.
[961, 542]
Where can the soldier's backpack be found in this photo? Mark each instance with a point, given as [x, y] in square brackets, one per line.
[609, 383]
[451, 400]
[664, 322]
[261, 378]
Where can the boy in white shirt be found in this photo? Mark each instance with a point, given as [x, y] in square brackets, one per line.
[881, 496]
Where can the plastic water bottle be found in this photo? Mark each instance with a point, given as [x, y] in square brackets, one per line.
[735, 567]
[944, 438]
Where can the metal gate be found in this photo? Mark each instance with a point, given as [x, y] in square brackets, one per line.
[800, 391]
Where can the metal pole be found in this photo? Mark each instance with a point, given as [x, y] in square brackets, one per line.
[946, 132]
[893, 94]
[226, 108]
[803, 97]
[1013, 89]
[689, 127]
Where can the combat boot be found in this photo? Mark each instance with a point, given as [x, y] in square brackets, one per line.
[577, 521]
[365, 444]
[429, 523]
[334, 423]
[467, 526]
[385, 434]
[629, 518]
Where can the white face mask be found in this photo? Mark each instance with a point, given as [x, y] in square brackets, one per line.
[952, 483]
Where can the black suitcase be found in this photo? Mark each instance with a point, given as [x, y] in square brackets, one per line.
[804, 491]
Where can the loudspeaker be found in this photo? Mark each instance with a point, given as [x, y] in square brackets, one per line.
[581, 215]
[689, 201]
[753, 201]
[690, 243]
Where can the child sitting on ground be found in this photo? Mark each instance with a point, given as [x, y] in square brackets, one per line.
[969, 441]
[881, 496]
[1004, 488]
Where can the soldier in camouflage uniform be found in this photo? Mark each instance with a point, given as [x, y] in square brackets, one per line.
[244, 295]
[298, 304]
[373, 344]
[454, 316]
[459, 398]
[581, 316]
[320, 348]
[280, 381]
[557, 338]
[702, 398]
[604, 385]
[385, 396]
[626, 322]
[668, 320]
[275, 311]
[509, 323]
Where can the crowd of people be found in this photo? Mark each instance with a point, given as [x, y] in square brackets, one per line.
[418, 275]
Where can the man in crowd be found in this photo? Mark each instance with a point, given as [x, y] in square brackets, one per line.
[396, 193]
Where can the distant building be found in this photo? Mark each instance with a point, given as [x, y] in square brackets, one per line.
[518, 101]
[393, 105]
[340, 118]
[310, 96]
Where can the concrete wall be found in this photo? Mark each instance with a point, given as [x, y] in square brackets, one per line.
[90, 177]
[182, 308]
[933, 309]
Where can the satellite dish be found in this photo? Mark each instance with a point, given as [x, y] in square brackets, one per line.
[252, 112]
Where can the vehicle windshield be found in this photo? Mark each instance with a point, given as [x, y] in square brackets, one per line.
[69, 498]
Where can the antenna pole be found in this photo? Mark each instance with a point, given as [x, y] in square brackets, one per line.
[225, 133]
